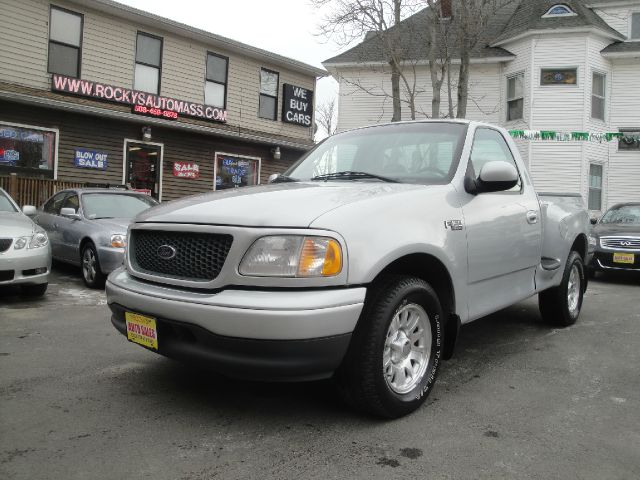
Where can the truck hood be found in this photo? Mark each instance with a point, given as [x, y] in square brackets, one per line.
[15, 225]
[275, 205]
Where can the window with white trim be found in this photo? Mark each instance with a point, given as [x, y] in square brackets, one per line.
[595, 186]
[268, 94]
[515, 97]
[598, 95]
[148, 63]
[65, 41]
[215, 91]
[634, 33]
[560, 10]
[27, 150]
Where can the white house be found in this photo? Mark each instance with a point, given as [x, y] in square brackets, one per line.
[570, 66]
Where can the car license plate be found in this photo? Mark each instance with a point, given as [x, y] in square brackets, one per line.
[142, 330]
[623, 258]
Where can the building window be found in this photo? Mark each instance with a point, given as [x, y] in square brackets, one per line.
[27, 150]
[215, 90]
[65, 42]
[515, 97]
[560, 10]
[598, 96]
[630, 139]
[595, 186]
[148, 63]
[635, 26]
[268, 94]
[559, 76]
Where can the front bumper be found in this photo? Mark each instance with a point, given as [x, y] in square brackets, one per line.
[603, 261]
[260, 334]
[110, 258]
[18, 267]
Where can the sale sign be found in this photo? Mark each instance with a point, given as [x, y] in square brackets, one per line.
[186, 170]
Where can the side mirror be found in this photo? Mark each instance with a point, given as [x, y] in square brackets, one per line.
[272, 177]
[593, 220]
[29, 210]
[69, 213]
[495, 176]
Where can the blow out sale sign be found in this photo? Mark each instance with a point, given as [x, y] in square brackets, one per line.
[186, 170]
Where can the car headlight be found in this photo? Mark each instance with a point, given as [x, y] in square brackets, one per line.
[292, 256]
[21, 243]
[40, 239]
[119, 240]
[593, 241]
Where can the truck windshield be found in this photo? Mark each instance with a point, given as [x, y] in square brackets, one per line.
[426, 153]
[628, 214]
[114, 205]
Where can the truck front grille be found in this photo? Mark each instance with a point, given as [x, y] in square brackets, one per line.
[5, 243]
[621, 243]
[182, 255]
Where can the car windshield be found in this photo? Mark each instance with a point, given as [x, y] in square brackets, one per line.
[425, 153]
[114, 205]
[5, 204]
[627, 214]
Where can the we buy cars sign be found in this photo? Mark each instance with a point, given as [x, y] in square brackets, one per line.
[186, 170]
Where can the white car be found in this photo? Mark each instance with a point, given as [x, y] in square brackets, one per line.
[25, 253]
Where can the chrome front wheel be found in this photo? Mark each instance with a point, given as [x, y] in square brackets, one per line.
[407, 348]
[91, 272]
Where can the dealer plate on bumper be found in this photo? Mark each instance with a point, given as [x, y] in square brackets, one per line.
[624, 258]
[142, 330]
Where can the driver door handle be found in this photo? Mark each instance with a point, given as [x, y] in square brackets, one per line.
[532, 216]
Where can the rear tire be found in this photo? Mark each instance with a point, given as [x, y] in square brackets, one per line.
[396, 349]
[91, 273]
[561, 305]
[34, 290]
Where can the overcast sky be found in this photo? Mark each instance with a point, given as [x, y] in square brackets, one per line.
[285, 27]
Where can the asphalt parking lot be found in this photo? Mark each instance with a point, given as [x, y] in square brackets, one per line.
[518, 400]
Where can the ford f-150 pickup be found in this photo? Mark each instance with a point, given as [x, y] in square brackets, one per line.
[360, 262]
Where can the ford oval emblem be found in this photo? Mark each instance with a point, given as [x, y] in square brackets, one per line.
[166, 252]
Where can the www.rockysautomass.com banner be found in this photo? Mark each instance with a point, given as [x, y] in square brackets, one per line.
[127, 96]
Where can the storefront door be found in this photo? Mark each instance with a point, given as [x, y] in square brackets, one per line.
[143, 167]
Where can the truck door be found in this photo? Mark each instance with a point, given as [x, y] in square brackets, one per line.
[504, 233]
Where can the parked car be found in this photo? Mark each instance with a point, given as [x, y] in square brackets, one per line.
[88, 227]
[360, 262]
[25, 253]
[615, 239]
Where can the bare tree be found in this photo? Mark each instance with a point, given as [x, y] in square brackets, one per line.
[325, 116]
[353, 20]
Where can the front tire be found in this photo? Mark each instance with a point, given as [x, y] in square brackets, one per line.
[561, 305]
[396, 349]
[91, 273]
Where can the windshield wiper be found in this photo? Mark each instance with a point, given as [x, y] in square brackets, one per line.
[284, 179]
[349, 175]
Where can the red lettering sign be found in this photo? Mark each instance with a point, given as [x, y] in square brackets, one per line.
[186, 170]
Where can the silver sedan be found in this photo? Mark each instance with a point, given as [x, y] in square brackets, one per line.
[88, 227]
[25, 253]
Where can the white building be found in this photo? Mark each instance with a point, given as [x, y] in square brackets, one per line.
[572, 66]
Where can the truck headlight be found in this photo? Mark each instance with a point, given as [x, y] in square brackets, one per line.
[40, 239]
[292, 256]
[119, 240]
[593, 241]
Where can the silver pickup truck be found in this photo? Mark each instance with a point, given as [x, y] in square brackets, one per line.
[361, 262]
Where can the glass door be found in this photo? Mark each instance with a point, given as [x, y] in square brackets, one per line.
[143, 167]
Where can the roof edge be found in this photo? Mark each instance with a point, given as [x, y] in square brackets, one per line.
[454, 61]
[586, 29]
